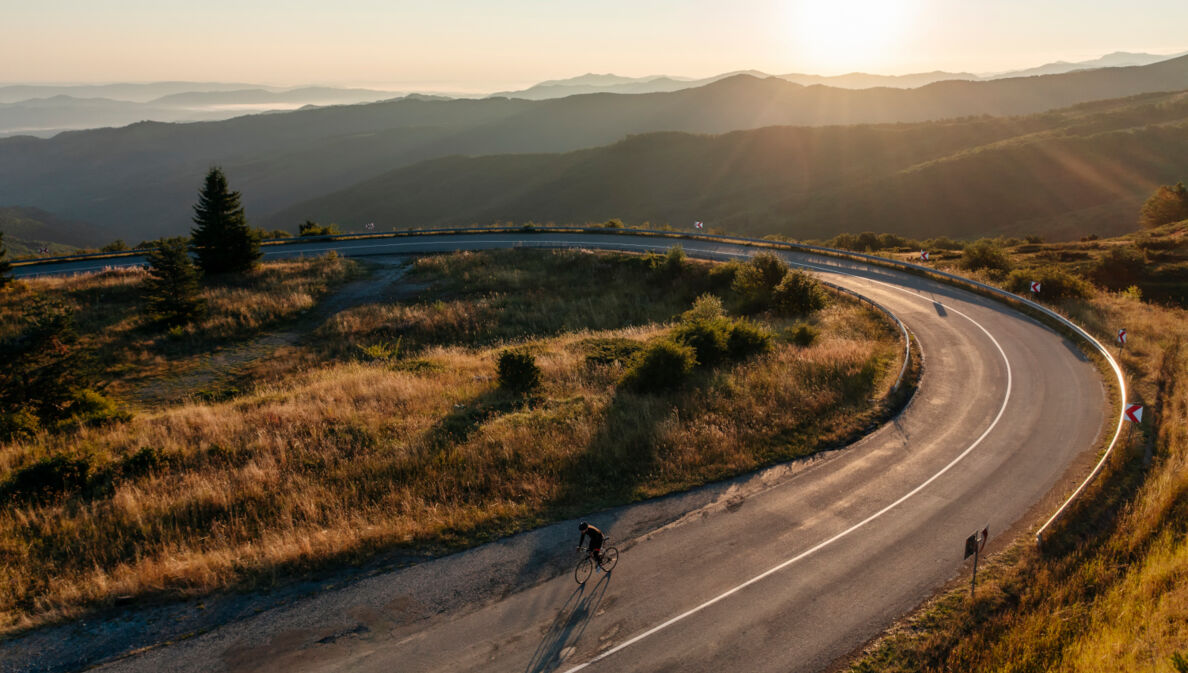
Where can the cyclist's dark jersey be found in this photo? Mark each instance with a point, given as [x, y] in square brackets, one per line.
[595, 537]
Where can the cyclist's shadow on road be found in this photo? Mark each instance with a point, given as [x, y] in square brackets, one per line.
[566, 630]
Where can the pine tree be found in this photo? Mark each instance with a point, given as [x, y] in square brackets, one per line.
[5, 267]
[171, 290]
[222, 239]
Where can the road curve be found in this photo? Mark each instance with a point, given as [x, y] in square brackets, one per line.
[788, 571]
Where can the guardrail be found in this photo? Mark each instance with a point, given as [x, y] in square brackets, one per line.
[953, 279]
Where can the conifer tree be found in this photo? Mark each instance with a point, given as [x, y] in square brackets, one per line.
[222, 238]
[5, 266]
[171, 290]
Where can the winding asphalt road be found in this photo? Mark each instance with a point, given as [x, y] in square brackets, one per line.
[790, 570]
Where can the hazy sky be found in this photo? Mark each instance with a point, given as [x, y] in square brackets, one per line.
[466, 45]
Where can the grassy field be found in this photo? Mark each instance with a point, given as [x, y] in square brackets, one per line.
[1107, 590]
[384, 430]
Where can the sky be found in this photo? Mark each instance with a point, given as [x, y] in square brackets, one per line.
[472, 46]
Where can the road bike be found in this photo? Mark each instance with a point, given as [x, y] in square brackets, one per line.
[610, 556]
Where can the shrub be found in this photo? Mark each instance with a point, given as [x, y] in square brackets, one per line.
[672, 264]
[844, 242]
[57, 475]
[18, 423]
[747, 339]
[984, 254]
[943, 243]
[707, 338]
[383, 351]
[798, 294]
[1120, 268]
[91, 408]
[721, 276]
[1055, 283]
[663, 365]
[802, 335]
[518, 372]
[311, 228]
[145, 461]
[610, 350]
[1157, 244]
[705, 307]
[757, 279]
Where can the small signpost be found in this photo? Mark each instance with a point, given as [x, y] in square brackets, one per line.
[1035, 287]
[1121, 339]
[370, 226]
[923, 255]
[699, 225]
[974, 544]
[1134, 413]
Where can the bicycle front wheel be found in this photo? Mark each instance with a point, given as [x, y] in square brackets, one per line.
[582, 572]
[610, 556]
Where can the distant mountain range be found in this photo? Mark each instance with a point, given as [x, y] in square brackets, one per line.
[46, 116]
[139, 182]
[1061, 174]
[593, 83]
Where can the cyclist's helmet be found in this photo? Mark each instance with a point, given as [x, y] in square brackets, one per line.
[583, 525]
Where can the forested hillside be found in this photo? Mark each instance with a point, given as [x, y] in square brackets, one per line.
[1063, 174]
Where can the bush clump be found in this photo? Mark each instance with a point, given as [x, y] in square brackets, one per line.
[663, 365]
[798, 294]
[1120, 268]
[1055, 283]
[747, 339]
[984, 254]
[610, 350]
[672, 264]
[518, 372]
[756, 281]
[802, 335]
[55, 476]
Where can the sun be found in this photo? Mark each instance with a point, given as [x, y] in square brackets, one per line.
[849, 34]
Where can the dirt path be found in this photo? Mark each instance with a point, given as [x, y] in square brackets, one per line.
[217, 370]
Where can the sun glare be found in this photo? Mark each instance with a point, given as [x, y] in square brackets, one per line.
[849, 35]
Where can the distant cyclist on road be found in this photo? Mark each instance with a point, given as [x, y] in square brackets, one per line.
[596, 538]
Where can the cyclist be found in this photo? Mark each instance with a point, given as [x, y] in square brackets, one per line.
[596, 538]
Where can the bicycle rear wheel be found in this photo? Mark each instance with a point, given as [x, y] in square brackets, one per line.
[610, 556]
[582, 572]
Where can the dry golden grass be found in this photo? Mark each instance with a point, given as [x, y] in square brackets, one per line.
[1107, 592]
[423, 453]
[106, 308]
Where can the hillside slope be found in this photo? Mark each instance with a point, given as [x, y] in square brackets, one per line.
[139, 181]
[1062, 174]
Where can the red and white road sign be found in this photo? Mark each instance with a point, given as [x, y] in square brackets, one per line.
[1035, 287]
[924, 255]
[985, 536]
[1134, 413]
[1122, 336]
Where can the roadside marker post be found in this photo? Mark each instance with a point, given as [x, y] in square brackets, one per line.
[1134, 414]
[1121, 339]
[1035, 287]
[923, 255]
[974, 544]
